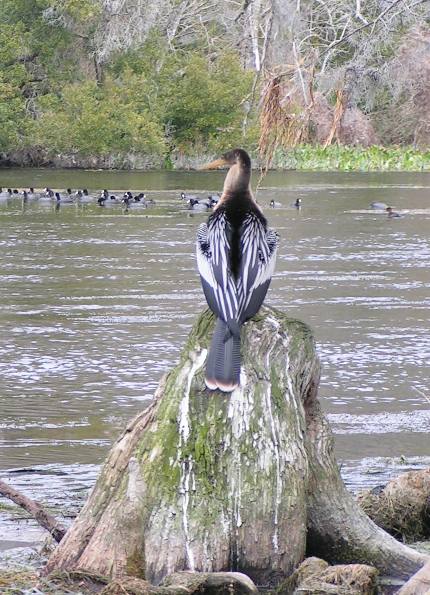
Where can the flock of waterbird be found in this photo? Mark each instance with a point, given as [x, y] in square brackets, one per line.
[129, 200]
[102, 198]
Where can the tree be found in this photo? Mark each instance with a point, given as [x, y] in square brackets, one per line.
[97, 121]
[203, 99]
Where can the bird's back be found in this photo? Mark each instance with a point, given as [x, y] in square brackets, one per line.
[232, 212]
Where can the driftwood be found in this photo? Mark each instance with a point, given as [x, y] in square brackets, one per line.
[419, 584]
[245, 481]
[36, 510]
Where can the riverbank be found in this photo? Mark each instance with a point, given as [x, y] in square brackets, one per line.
[302, 158]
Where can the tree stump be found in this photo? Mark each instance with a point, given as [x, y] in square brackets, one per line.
[246, 481]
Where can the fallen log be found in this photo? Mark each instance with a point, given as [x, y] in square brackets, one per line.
[36, 510]
[247, 481]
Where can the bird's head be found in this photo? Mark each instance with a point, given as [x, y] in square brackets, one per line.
[239, 174]
[234, 157]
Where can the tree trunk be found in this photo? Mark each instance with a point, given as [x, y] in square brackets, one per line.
[242, 481]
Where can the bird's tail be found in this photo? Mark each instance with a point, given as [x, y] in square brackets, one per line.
[223, 363]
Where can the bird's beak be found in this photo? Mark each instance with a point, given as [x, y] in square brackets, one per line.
[215, 164]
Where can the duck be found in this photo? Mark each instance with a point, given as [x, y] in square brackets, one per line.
[198, 205]
[82, 196]
[29, 194]
[101, 201]
[46, 195]
[392, 213]
[138, 201]
[298, 203]
[127, 199]
[236, 254]
[378, 205]
[5, 194]
[141, 198]
[274, 205]
[185, 196]
[214, 198]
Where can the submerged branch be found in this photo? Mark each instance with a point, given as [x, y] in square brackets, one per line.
[45, 520]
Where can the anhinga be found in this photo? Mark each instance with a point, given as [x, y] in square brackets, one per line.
[236, 255]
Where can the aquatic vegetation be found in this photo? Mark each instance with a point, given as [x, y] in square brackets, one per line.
[337, 157]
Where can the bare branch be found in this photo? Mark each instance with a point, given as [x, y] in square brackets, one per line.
[46, 520]
[371, 24]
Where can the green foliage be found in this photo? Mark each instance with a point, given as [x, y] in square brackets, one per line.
[199, 99]
[150, 100]
[58, 96]
[203, 99]
[90, 120]
[13, 76]
[79, 10]
[29, 51]
[12, 116]
[147, 59]
[337, 157]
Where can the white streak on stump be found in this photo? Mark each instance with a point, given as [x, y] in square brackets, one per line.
[186, 464]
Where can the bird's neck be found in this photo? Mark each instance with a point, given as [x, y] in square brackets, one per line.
[237, 188]
[237, 179]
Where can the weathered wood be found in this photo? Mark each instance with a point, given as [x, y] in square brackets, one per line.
[186, 583]
[244, 481]
[211, 582]
[338, 530]
[419, 583]
[36, 510]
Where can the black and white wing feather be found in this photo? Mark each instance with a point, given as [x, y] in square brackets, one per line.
[213, 251]
[258, 249]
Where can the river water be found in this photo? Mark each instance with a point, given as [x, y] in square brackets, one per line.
[96, 305]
